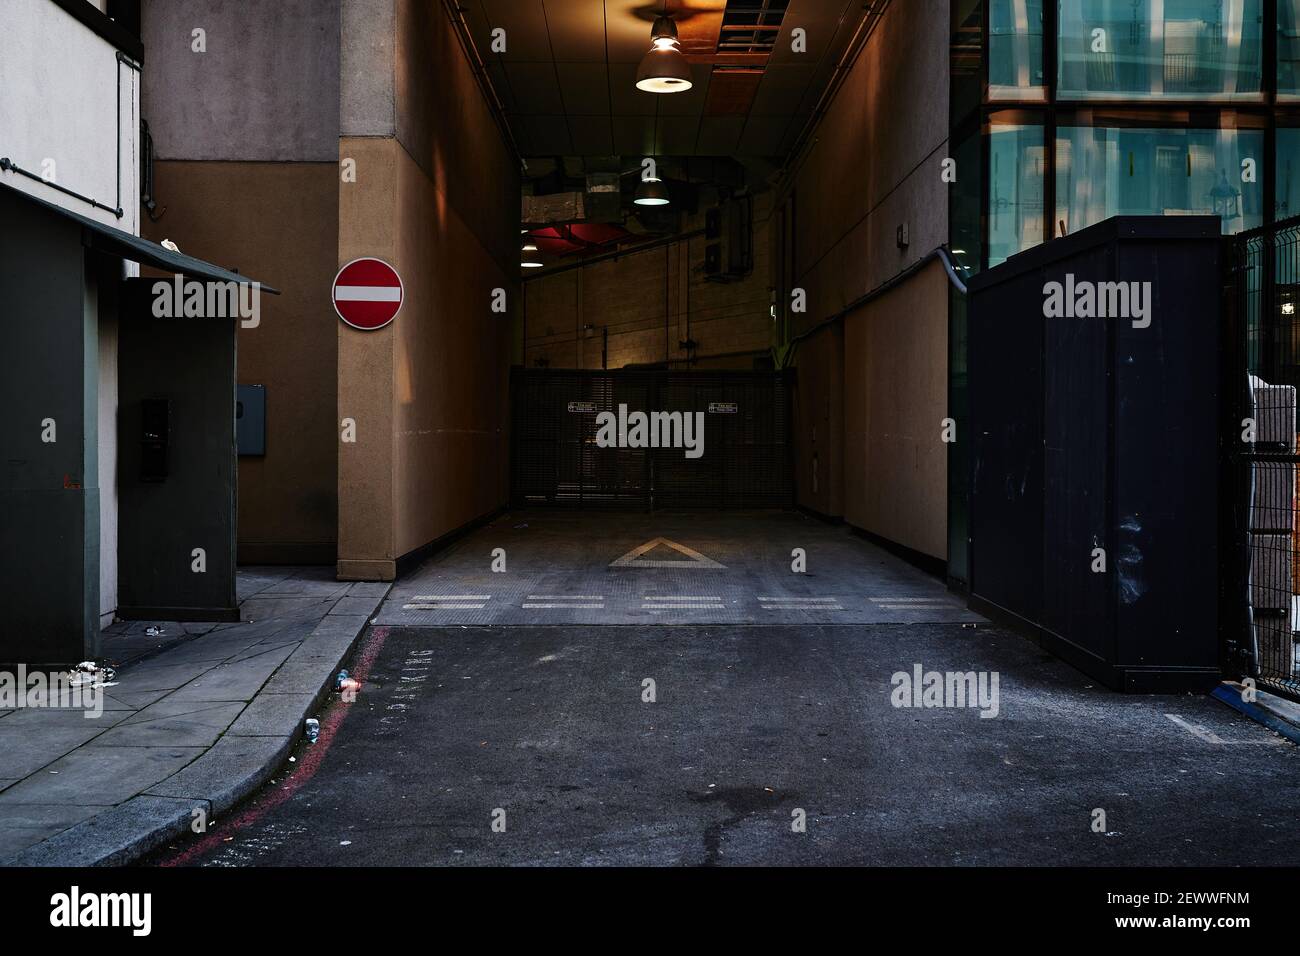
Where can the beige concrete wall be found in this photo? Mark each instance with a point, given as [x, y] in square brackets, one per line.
[874, 163]
[650, 302]
[277, 222]
[895, 394]
[436, 195]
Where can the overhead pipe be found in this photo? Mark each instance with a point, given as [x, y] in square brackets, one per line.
[479, 69]
[873, 11]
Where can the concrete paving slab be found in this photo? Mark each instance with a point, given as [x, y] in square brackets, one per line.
[159, 674]
[237, 681]
[228, 772]
[171, 722]
[355, 605]
[263, 608]
[25, 826]
[137, 700]
[273, 715]
[305, 676]
[331, 640]
[98, 775]
[115, 836]
[29, 745]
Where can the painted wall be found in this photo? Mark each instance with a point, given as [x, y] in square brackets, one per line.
[895, 394]
[49, 496]
[246, 145]
[874, 163]
[650, 302]
[265, 89]
[436, 195]
[65, 109]
[108, 500]
[164, 522]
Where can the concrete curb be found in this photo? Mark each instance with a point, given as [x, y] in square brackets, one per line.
[250, 752]
[1276, 713]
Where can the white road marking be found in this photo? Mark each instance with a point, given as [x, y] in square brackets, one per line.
[912, 600]
[802, 607]
[801, 600]
[580, 606]
[566, 597]
[679, 597]
[920, 607]
[683, 607]
[441, 607]
[452, 597]
[1210, 737]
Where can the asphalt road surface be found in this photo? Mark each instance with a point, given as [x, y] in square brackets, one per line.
[537, 746]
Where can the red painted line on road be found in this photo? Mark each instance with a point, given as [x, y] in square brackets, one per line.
[306, 768]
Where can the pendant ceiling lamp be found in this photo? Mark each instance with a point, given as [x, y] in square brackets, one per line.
[651, 192]
[531, 257]
[664, 69]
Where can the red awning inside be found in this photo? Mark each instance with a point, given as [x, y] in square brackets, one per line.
[578, 237]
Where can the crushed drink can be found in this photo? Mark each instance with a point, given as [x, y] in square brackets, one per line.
[312, 729]
[341, 681]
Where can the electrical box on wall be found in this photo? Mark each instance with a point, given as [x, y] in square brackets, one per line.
[155, 434]
[250, 419]
[729, 237]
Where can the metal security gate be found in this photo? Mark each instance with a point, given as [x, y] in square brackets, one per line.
[746, 454]
[1261, 534]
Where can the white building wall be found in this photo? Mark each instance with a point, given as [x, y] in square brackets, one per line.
[60, 115]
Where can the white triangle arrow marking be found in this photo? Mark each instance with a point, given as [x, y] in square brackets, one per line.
[633, 558]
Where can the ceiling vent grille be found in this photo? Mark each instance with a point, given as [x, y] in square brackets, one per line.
[751, 26]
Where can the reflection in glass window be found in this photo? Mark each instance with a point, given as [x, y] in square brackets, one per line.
[1168, 49]
[1287, 164]
[1016, 49]
[1103, 172]
[1016, 167]
[1288, 48]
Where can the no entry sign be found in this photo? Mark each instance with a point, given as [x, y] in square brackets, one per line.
[367, 294]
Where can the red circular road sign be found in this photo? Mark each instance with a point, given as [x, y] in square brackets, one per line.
[368, 294]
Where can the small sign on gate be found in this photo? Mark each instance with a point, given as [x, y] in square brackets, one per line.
[582, 407]
[724, 408]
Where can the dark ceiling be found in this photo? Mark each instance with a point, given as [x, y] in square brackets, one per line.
[567, 78]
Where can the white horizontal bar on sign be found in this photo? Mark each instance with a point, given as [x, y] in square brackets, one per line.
[368, 293]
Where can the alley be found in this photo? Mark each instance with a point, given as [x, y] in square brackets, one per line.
[749, 725]
[694, 706]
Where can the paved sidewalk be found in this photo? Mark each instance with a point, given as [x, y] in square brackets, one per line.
[199, 716]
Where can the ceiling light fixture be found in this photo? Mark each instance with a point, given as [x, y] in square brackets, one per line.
[652, 192]
[664, 69]
[531, 257]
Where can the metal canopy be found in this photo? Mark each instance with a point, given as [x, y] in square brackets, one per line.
[123, 245]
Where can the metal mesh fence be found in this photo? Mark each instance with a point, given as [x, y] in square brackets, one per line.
[1261, 530]
[745, 453]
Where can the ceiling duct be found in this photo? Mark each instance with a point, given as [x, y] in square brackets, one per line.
[604, 197]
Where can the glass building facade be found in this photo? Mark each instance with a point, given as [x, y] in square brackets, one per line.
[1067, 112]
[1086, 109]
